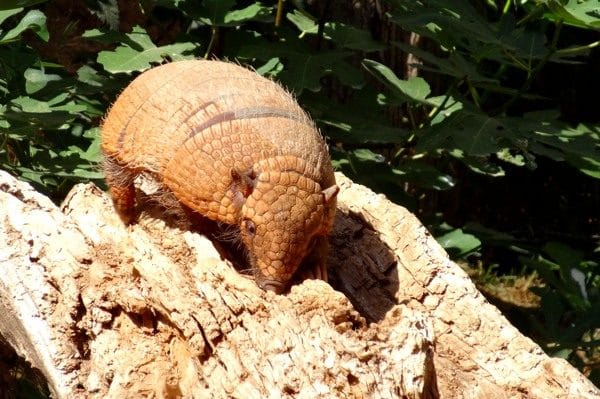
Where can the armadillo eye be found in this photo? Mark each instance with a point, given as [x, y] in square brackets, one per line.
[250, 227]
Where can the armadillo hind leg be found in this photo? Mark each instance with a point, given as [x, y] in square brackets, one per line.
[314, 266]
[120, 182]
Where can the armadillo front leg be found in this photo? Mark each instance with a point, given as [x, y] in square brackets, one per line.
[314, 265]
[120, 182]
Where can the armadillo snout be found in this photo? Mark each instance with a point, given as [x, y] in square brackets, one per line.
[278, 226]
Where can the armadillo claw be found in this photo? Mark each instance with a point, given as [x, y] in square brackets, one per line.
[271, 285]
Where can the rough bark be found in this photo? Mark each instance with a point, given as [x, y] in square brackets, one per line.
[153, 311]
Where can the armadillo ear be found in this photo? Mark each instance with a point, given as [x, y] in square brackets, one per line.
[329, 193]
[243, 182]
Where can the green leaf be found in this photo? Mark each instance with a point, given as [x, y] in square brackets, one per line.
[564, 282]
[90, 83]
[108, 37]
[13, 4]
[421, 174]
[449, 106]
[352, 38]
[7, 13]
[372, 169]
[304, 22]
[271, 67]
[467, 38]
[358, 161]
[459, 240]
[142, 54]
[589, 166]
[212, 12]
[220, 13]
[413, 90]
[580, 13]
[359, 121]
[473, 136]
[303, 68]
[37, 79]
[459, 23]
[32, 176]
[71, 107]
[343, 35]
[89, 75]
[544, 135]
[28, 104]
[563, 254]
[94, 151]
[31, 105]
[254, 12]
[86, 174]
[470, 131]
[490, 235]
[306, 70]
[517, 41]
[507, 156]
[454, 64]
[354, 129]
[34, 20]
[482, 165]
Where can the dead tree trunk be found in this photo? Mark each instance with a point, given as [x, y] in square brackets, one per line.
[106, 311]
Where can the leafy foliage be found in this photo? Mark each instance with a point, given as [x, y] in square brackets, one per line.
[138, 53]
[484, 108]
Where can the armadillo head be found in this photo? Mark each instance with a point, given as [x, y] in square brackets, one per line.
[283, 212]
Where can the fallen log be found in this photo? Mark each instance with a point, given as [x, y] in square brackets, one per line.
[150, 310]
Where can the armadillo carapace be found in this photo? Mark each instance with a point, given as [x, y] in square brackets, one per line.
[234, 147]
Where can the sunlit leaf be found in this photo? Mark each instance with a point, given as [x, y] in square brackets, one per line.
[305, 23]
[414, 89]
[143, 54]
[34, 20]
[8, 12]
[581, 13]
[460, 241]
[36, 79]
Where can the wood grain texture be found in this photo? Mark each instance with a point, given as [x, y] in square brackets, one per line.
[108, 311]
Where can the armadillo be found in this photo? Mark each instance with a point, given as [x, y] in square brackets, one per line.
[234, 147]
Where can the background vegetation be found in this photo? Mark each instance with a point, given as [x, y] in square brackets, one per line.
[495, 145]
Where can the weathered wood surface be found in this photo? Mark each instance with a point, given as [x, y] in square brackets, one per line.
[151, 311]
